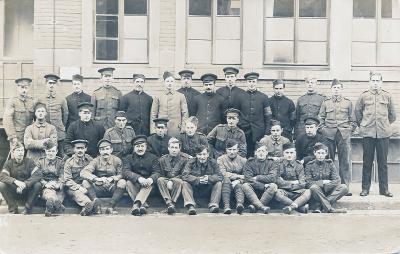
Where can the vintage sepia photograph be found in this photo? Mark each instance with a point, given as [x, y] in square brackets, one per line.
[199, 126]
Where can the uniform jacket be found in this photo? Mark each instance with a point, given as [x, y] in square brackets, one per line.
[305, 145]
[172, 167]
[209, 109]
[12, 170]
[291, 171]
[158, 145]
[100, 167]
[231, 168]
[231, 96]
[194, 170]
[316, 171]
[171, 105]
[121, 140]
[35, 136]
[57, 112]
[264, 171]
[72, 170]
[307, 105]
[49, 170]
[73, 100]
[106, 104]
[283, 110]
[189, 144]
[136, 166]
[90, 131]
[274, 147]
[189, 93]
[137, 106]
[18, 114]
[256, 114]
[375, 112]
[336, 114]
[218, 136]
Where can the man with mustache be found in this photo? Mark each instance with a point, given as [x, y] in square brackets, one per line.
[75, 98]
[19, 111]
[140, 174]
[106, 99]
[208, 106]
[73, 180]
[187, 89]
[103, 176]
[137, 105]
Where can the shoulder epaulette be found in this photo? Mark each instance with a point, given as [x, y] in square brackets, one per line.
[329, 160]
[129, 127]
[311, 162]
[201, 134]
[299, 162]
[221, 125]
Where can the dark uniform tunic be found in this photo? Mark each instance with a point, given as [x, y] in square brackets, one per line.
[189, 144]
[135, 166]
[221, 133]
[208, 108]
[265, 172]
[158, 145]
[73, 100]
[308, 105]
[189, 93]
[305, 146]
[137, 106]
[90, 131]
[283, 110]
[231, 96]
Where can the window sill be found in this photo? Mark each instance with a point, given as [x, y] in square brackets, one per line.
[297, 66]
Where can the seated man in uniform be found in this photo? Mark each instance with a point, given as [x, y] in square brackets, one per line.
[170, 167]
[73, 180]
[191, 139]
[275, 141]
[231, 165]
[323, 180]
[49, 171]
[218, 136]
[139, 172]
[202, 176]
[158, 142]
[120, 136]
[16, 182]
[260, 175]
[292, 182]
[103, 176]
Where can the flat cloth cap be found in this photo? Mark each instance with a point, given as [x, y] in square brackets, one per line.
[79, 141]
[319, 146]
[230, 70]
[23, 81]
[208, 77]
[85, 105]
[161, 121]
[251, 75]
[186, 73]
[139, 139]
[103, 142]
[120, 114]
[311, 120]
[106, 70]
[287, 146]
[232, 111]
[51, 77]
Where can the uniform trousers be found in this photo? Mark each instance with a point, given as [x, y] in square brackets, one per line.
[189, 192]
[170, 196]
[29, 195]
[267, 194]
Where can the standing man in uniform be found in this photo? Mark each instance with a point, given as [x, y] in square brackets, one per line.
[230, 91]
[375, 112]
[337, 123]
[120, 136]
[282, 108]
[75, 98]
[140, 174]
[187, 90]
[171, 105]
[85, 129]
[208, 107]
[308, 105]
[57, 109]
[106, 99]
[256, 113]
[137, 105]
[73, 179]
[19, 112]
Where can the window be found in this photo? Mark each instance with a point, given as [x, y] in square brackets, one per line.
[18, 28]
[121, 31]
[296, 32]
[376, 33]
[214, 36]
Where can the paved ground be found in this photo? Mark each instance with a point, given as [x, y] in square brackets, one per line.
[356, 232]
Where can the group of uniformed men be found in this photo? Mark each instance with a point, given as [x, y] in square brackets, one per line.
[217, 143]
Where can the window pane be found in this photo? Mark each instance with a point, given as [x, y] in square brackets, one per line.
[364, 8]
[390, 9]
[312, 8]
[228, 7]
[18, 28]
[279, 52]
[106, 49]
[107, 26]
[200, 7]
[283, 8]
[363, 53]
[389, 54]
[107, 6]
[311, 53]
[135, 7]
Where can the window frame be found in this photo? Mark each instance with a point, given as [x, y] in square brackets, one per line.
[120, 39]
[378, 22]
[296, 39]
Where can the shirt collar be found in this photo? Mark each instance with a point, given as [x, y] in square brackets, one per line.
[373, 91]
[311, 93]
[337, 98]
[51, 94]
[169, 91]
[40, 124]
